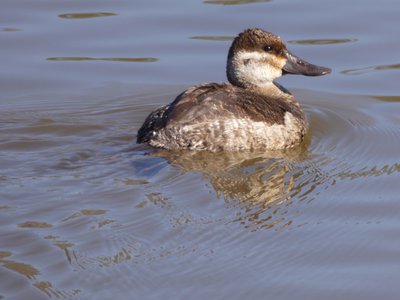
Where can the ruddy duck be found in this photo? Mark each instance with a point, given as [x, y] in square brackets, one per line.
[249, 112]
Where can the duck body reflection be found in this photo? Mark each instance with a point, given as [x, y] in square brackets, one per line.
[259, 185]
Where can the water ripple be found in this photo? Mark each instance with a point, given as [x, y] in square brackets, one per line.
[115, 59]
[364, 70]
[323, 41]
[10, 29]
[219, 38]
[86, 15]
[360, 142]
[235, 2]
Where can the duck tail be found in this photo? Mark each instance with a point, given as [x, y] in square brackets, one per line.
[151, 125]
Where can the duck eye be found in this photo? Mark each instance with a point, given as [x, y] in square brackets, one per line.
[268, 48]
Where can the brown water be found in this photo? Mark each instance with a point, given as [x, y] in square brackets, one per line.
[85, 213]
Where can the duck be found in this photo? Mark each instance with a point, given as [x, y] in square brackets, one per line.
[249, 112]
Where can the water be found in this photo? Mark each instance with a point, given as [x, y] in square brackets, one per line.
[88, 214]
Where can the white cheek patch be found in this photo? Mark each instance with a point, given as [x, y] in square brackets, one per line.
[257, 67]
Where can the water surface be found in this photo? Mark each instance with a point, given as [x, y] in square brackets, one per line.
[86, 213]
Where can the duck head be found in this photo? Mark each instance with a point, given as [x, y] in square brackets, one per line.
[257, 57]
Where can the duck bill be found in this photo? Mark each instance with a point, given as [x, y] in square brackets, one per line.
[295, 65]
